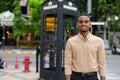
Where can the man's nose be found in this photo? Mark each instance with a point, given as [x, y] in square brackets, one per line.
[83, 23]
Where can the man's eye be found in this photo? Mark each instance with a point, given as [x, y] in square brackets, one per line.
[86, 21]
[80, 21]
[83, 21]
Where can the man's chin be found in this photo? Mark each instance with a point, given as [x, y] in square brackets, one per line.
[84, 30]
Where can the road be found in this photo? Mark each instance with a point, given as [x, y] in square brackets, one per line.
[113, 67]
[20, 55]
[113, 64]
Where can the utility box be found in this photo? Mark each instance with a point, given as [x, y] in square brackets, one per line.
[59, 19]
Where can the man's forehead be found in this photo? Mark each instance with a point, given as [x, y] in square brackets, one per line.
[84, 17]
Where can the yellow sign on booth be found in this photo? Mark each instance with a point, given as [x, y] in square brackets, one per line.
[51, 24]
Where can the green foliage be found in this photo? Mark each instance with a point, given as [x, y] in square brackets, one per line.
[6, 5]
[19, 25]
[31, 43]
[35, 3]
[101, 10]
[114, 25]
[106, 7]
[69, 22]
[82, 5]
[35, 8]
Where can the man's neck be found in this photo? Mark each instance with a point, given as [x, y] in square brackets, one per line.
[84, 34]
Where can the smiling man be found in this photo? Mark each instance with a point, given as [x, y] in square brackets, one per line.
[84, 54]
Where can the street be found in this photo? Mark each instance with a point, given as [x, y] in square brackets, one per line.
[113, 67]
[11, 58]
[113, 64]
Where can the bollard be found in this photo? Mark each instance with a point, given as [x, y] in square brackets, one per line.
[26, 63]
[16, 63]
[6, 60]
[37, 58]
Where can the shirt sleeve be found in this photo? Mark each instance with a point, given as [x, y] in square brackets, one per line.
[68, 59]
[101, 59]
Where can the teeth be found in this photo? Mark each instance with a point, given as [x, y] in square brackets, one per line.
[83, 27]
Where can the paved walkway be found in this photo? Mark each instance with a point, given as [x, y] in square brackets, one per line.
[16, 74]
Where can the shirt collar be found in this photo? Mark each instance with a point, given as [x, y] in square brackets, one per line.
[87, 37]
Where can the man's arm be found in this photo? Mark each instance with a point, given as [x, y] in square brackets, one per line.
[101, 60]
[68, 61]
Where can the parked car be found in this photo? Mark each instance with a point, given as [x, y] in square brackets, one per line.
[116, 49]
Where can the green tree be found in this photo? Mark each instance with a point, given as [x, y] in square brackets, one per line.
[110, 9]
[35, 8]
[82, 4]
[6, 5]
[102, 10]
[19, 25]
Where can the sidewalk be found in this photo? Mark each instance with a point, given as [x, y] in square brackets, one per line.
[17, 74]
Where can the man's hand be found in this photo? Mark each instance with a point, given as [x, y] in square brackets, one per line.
[102, 78]
[68, 77]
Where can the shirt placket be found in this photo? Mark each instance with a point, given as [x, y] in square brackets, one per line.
[85, 54]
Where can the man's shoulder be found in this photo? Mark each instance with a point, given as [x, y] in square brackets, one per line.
[73, 38]
[97, 37]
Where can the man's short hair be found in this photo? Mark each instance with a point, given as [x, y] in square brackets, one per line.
[83, 14]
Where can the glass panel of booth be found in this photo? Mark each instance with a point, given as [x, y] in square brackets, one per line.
[50, 29]
[50, 34]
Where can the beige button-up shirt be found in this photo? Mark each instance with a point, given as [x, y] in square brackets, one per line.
[85, 55]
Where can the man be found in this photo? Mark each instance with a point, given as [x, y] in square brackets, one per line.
[84, 54]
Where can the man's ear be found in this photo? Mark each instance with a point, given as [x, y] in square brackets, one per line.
[76, 25]
[90, 25]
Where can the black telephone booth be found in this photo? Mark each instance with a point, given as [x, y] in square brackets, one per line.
[58, 24]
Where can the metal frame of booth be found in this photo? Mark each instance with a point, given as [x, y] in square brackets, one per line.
[54, 32]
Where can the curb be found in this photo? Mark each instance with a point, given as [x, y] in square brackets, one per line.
[18, 52]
